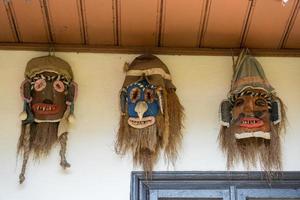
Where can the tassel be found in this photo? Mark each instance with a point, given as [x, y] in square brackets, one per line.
[71, 119]
[63, 124]
[63, 143]
[23, 115]
[26, 143]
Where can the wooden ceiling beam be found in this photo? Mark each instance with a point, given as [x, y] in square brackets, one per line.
[116, 21]
[82, 20]
[290, 24]
[204, 22]
[247, 22]
[12, 20]
[47, 20]
[153, 50]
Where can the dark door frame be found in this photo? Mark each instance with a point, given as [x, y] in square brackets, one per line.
[231, 185]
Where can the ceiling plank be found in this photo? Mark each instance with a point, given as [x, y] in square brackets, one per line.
[99, 22]
[293, 40]
[29, 17]
[268, 23]
[6, 33]
[139, 22]
[225, 25]
[181, 23]
[65, 21]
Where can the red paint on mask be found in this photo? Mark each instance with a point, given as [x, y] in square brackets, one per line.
[45, 109]
[251, 122]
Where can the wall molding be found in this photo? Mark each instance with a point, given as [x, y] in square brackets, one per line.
[141, 50]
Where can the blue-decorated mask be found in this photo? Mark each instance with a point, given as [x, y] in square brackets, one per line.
[151, 114]
[143, 104]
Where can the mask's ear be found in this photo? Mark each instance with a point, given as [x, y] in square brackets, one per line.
[71, 97]
[123, 96]
[276, 112]
[72, 93]
[225, 114]
[25, 91]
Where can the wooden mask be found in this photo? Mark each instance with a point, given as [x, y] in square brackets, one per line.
[252, 118]
[49, 93]
[151, 114]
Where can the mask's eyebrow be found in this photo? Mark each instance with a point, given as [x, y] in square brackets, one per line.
[50, 78]
[139, 85]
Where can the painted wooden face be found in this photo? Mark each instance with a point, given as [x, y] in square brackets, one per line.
[251, 114]
[143, 104]
[49, 92]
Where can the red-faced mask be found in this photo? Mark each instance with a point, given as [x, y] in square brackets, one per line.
[49, 93]
[252, 118]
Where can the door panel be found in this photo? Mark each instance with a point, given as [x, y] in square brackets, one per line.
[189, 195]
[268, 194]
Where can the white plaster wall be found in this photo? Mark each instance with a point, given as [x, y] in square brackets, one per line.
[96, 171]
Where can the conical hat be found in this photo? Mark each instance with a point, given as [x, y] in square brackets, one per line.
[150, 67]
[48, 64]
[248, 73]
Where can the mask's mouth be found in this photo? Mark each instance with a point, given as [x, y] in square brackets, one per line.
[45, 109]
[141, 123]
[251, 122]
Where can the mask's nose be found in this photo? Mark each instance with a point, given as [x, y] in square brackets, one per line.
[140, 108]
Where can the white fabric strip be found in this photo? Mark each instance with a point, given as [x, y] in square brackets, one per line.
[41, 121]
[279, 113]
[258, 134]
[148, 72]
[226, 124]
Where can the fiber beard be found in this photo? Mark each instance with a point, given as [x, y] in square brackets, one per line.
[146, 144]
[39, 139]
[251, 150]
[42, 136]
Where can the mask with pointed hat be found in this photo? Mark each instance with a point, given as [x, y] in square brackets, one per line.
[151, 114]
[49, 93]
[252, 117]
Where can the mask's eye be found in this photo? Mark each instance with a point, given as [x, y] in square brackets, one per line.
[135, 94]
[149, 95]
[261, 102]
[59, 86]
[39, 84]
[239, 102]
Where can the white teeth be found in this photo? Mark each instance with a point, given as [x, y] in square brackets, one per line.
[250, 122]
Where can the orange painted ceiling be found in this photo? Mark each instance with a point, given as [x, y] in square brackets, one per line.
[265, 24]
